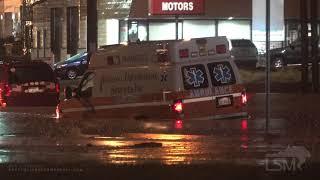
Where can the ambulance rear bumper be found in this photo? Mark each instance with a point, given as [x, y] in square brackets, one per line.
[232, 116]
[224, 116]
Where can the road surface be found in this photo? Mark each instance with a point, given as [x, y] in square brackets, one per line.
[32, 138]
[29, 138]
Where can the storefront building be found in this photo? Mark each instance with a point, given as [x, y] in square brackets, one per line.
[10, 18]
[166, 20]
[60, 26]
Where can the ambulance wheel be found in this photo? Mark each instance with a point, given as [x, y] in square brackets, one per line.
[72, 74]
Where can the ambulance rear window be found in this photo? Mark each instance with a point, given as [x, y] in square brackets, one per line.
[195, 77]
[221, 74]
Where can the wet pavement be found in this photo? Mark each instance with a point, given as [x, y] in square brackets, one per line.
[26, 138]
[30, 138]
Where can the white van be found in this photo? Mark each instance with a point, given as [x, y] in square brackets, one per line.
[186, 80]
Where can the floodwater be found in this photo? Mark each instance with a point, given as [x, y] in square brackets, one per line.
[31, 138]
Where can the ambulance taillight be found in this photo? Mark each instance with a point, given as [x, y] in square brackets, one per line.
[221, 49]
[178, 106]
[178, 124]
[184, 53]
[57, 88]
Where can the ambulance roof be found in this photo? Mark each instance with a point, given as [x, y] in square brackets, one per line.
[145, 53]
[132, 54]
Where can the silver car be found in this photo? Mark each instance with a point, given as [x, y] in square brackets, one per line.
[244, 52]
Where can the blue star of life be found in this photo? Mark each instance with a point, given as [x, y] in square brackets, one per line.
[194, 77]
[222, 74]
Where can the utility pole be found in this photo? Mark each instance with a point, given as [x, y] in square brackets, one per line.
[304, 43]
[315, 42]
[23, 25]
[92, 26]
[268, 80]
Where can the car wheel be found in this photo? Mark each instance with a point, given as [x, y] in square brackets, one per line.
[72, 74]
[278, 63]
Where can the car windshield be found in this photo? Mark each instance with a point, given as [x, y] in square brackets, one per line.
[31, 74]
[76, 57]
[242, 43]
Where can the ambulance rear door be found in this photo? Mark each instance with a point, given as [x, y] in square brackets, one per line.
[205, 71]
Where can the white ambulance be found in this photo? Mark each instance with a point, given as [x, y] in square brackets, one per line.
[186, 80]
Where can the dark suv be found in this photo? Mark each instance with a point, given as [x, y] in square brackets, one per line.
[28, 84]
[288, 55]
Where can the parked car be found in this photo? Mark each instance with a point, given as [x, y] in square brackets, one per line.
[288, 55]
[73, 67]
[244, 52]
[28, 84]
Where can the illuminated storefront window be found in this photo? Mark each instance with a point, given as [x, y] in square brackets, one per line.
[235, 29]
[123, 31]
[138, 31]
[198, 28]
[111, 30]
[162, 31]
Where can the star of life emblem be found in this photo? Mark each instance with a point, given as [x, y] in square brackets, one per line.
[194, 77]
[222, 74]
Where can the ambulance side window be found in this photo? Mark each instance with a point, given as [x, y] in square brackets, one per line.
[221, 74]
[194, 77]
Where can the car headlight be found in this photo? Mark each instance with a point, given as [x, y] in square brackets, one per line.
[61, 66]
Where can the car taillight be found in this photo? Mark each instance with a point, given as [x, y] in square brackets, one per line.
[7, 90]
[178, 106]
[1, 95]
[244, 98]
[57, 87]
[4, 104]
[53, 87]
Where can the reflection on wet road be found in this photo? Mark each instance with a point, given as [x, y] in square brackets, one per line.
[26, 137]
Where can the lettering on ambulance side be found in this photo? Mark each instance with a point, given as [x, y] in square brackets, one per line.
[223, 90]
[132, 89]
[129, 60]
[164, 77]
[122, 84]
[131, 77]
[201, 93]
[215, 91]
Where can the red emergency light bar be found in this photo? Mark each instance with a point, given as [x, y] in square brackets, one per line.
[184, 53]
[220, 49]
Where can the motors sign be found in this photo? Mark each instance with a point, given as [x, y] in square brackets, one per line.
[176, 7]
